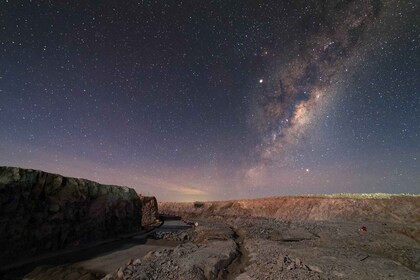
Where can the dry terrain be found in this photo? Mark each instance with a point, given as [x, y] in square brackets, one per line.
[319, 237]
[338, 237]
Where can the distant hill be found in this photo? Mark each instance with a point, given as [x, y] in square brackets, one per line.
[398, 208]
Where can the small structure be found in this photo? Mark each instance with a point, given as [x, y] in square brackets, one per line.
[198, 204]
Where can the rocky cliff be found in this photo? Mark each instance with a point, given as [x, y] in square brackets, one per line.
[41, 212]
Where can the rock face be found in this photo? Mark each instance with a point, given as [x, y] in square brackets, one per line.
[149, 208]
[41, 212]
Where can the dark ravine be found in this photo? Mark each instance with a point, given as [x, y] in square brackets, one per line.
[63, 259]
[239, 264]
[71, 262]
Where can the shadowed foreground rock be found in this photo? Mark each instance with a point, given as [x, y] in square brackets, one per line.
[41, 212]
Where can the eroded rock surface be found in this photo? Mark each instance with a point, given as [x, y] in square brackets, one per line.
[41, 212]
[211, 250]
[315, 250]
[324, 238]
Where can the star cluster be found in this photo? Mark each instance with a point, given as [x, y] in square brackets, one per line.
[214, 100]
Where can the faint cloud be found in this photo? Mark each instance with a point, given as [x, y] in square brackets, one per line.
[190, 191]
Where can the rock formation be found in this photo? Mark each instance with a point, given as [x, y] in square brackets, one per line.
[41, 212]
[149, 209]
[210, 250]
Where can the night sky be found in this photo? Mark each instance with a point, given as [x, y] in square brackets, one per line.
[212, 100]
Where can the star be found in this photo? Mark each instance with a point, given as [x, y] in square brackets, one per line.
[223, 97]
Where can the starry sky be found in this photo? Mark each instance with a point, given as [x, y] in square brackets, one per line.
[213, 100]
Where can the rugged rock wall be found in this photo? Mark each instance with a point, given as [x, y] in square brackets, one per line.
[41, 212]
[149, 208]
[404, 209]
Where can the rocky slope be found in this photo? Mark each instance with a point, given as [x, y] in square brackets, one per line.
[41, 212]
[404, 209]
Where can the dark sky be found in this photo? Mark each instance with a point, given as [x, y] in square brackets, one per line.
[203, 100]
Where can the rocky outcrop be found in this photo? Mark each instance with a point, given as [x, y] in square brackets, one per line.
[208, 254]
[149, 209]
[41, 212]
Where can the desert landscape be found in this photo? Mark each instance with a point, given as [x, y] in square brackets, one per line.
[352, 237]
[209, 140]
[343, 236]
[332, 237]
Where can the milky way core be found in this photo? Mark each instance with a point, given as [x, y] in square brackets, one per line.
[285, 106]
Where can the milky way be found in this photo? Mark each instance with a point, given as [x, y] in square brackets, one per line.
[286, 103]
[205, 100]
